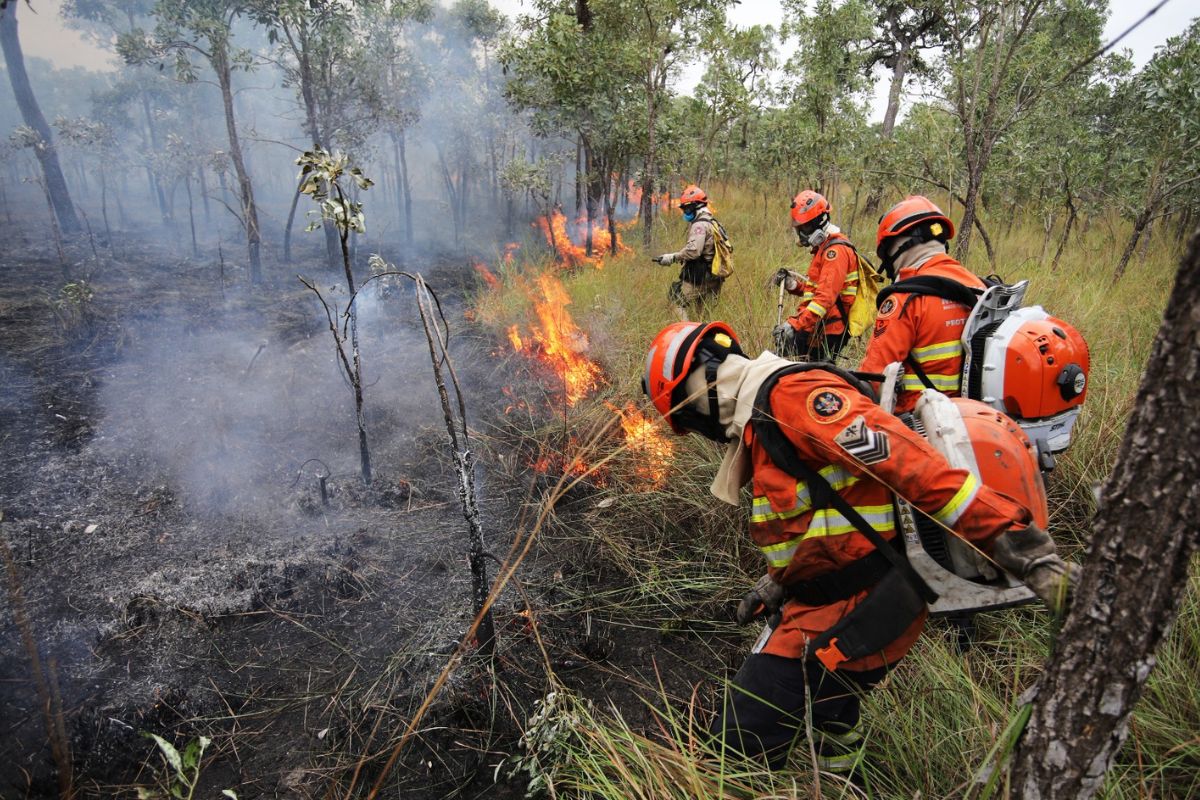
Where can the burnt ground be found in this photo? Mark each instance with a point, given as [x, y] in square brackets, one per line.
[173, 561]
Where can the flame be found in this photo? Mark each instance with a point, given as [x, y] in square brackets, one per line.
[653, 450]
[557, 340]
[488, 277]
[571, 254]
[510, 250]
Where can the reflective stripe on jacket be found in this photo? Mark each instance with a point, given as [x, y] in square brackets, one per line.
[927, 328]
[832, 275]
[801, 542]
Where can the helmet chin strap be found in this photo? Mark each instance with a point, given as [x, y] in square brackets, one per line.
[695, 416]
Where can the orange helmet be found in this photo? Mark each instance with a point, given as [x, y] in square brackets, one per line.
[914, 216]
[1007, 460]
[810, 216]
[676, 351]
[808, 206]
[692, 195]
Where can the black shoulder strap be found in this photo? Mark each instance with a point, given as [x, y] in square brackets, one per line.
[783, 454]
[934, 285]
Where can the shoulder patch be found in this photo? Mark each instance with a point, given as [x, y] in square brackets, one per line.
[863, 444]
[827, 405]
[888, 307]
[830, 254]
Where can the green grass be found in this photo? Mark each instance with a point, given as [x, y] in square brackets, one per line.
[933, 723]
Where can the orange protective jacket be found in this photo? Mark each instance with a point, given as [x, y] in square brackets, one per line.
[832, 275]
[801, 543]
[927, 328]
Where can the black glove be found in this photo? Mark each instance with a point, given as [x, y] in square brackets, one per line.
[765, 598]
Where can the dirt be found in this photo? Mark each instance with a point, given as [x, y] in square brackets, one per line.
[164, 446]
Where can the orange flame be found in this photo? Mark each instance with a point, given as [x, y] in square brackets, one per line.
[510, 250]
[488, 277]
[571, 254]
[646, 441]
[558, 340]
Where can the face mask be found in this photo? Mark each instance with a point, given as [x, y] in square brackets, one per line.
[689, 216]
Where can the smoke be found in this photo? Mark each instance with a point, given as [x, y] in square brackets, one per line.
[226, 416]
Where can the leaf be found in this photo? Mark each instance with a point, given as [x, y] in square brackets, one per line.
[169, 753]
[230, 793]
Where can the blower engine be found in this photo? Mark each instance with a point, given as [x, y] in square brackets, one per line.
[978, 438]
[1028, 364]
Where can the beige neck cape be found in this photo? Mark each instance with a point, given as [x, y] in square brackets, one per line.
[738, 382]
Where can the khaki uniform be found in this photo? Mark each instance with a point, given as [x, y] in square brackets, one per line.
[697, 286]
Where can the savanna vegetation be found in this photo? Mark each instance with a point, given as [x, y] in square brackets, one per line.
[159, 208]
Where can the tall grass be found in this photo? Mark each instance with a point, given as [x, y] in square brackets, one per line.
[681, 554]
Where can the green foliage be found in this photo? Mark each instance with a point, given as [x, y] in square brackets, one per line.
[180, 772]
[321, 174]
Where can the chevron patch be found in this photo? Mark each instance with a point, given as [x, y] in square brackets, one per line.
[864, 445]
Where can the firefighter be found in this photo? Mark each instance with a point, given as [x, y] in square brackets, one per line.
[921, 331]
[824, 461]
[818, 328]
[697, 286]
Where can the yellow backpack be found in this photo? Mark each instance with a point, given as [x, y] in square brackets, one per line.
[722, 265]
[862, 313]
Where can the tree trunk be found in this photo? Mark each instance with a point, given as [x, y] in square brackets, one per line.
[404, 183]
[220, 63]
[287, 228]
[155, 181]
[970, 201]
[1135, 575]
[899, 72]
[1062, 243]
[1139, 225]
[187, 183]
[31, 113]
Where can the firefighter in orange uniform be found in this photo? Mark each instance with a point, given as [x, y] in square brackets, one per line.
[823, 461]
[818, 328]
[923, 331]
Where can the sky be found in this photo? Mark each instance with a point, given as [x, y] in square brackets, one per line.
[44, 34]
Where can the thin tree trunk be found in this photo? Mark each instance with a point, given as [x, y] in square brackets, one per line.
[112, 243]
[356, 380]
[204, 193]
[1062, 243]
[187, 183]
[155, 181]
[31, 113]
[220, 63]
[287, 228]
[1135, 576]
[899, 72]
[409, 234]
[1139, 225]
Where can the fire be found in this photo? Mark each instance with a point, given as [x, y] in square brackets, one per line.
[647, 443]
[571, 254]
[559, 342]
[488, 277]
[510, 250]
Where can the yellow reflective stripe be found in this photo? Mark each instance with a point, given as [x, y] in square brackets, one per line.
[827, 522]
[934, 352]
[851, 276]
[949, 513]
[838, 477]
[849, 291]
[830, 522]
[804, 298]
[816, 308]
[943, 383]
[780, 554]
[839, 764]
